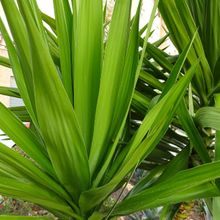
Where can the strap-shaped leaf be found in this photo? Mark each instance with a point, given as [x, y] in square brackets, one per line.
[24, 138]
[34, 193]
[26, 170]
[87, 52]
[148, 180]
[20, 36]
[157, 120]
[36, 13]
[57, 120]
[125, 93]
[208, 25]
[63, 18]
[180, 23]
[151, 80]
[18, 72]
[198, 10]
[178, 66]
[113, 64]
[178, 188]
[193, 133]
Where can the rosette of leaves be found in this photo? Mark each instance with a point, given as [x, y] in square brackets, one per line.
[77, 88]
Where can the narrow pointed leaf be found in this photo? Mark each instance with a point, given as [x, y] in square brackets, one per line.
[193, 133]
[57, 119]
[63, 19]
[178, 185]
[27, 171]
[24, 138]
[20, 36]
[33, 193]
[18, 72]
[141, 149]
[110, 80]
[87, 49]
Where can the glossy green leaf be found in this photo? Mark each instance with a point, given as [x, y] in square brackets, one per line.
[178, 66]
[62, 135]
[193, 133]
[157, 120]
[148, 180]
[208, 25]
[20, 36]
[33, 193]
[63, 18]
[26, 170]
[113, 64]
[18, 72]
[24, 138]
[126, 89]
[87, 49]
[181, 26]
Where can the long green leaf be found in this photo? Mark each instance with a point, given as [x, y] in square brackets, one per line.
[193, 133]
[180, 23]
[18, 72]
[113, 64]
[138, 70]
[124, 94]
[24, 138]
[20, 36]
[173, 190]
[34, 193]
[158, 118]
[87, 50]
[179, 162]
[63, 18]
[26, 171]
[178, 66]
[57, 120]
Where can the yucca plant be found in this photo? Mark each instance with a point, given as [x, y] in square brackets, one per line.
[77, 88]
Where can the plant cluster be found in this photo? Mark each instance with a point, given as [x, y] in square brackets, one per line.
[101, 107]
